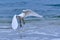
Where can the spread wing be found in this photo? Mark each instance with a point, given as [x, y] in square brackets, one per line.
[14, 22]
[32, 13]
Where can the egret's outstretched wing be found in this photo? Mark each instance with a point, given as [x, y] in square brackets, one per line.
[28, 12]
[32, 13]
[14, 23]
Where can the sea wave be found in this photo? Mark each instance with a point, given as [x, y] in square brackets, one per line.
[52, 4]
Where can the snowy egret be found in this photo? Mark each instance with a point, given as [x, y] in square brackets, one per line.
[20, 17]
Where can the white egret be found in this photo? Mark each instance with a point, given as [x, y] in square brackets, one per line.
[20, 17]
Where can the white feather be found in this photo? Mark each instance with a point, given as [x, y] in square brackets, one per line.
[14, 22]
[28, 12]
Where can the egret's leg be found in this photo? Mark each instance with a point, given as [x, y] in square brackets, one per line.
[20, 22]
[23, 20]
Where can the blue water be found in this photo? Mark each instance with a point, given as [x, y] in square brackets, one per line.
[46, 28]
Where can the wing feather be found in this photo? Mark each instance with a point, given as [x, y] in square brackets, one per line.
[14, 22]
[32, 13]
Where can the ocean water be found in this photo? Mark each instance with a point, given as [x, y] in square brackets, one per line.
[46, 28]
